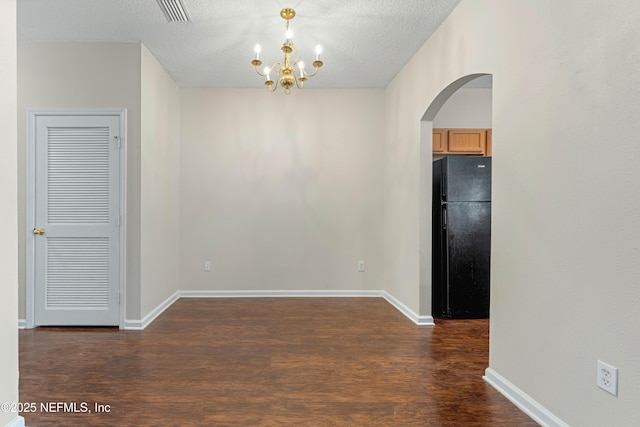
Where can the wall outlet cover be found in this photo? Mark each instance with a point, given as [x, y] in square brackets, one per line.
[607, 378]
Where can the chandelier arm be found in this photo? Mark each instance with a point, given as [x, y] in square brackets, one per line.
[270, 69]
[299, 83]
[272, 87]
[311, 74]
[260, 73]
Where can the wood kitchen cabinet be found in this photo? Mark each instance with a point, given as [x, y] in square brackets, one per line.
[462, 141]
[440, 140]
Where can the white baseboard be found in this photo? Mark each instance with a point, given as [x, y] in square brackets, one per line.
[522, 400]
[280, 294]
[415, 318]
[142, 324]
[17, 422]
[22, 323]
[138, 325]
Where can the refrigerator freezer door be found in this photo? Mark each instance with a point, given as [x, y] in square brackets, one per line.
[467, 179]
[468, 252]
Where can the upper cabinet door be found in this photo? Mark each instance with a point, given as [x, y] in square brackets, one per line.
[467, 141]
[439, 140]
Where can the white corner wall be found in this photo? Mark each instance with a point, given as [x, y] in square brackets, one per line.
[8, 211]
[281, 192]
[566, 227]
[159, 175]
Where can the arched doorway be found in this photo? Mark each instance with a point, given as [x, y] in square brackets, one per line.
[426, 140]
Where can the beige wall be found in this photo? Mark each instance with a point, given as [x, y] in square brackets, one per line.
[159, 174]
[565, 206]
[8, 211]
[466, 108]
[85, 75]
[281, 192]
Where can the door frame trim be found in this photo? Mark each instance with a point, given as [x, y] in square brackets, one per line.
[32, 115]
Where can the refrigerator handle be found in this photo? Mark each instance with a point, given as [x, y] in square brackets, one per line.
[444, 217]
[443, 185]
[446, 306]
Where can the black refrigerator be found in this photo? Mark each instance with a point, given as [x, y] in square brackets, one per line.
[461, 237]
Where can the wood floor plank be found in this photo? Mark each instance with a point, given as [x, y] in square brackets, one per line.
[266, 362]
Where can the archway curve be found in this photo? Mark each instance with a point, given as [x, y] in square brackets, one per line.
[426, 142]
[445, 94]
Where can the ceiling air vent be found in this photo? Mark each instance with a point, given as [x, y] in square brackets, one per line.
[174, 10]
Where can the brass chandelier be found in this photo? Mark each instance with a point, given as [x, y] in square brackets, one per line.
[291, 72]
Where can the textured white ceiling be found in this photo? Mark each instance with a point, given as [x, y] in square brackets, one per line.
[365, 42]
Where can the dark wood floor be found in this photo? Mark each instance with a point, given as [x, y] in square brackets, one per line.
[266, 362]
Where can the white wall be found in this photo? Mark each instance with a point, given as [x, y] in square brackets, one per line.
[8, 211]
[281, 192]
[565, 265]
[159, 174]
[85, 75]
[466, 108]
[90, 75]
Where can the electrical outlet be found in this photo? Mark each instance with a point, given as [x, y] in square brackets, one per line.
[360, 266]
[207, 266]
[607, 378]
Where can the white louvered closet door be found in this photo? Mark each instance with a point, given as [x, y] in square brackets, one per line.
[77, 205]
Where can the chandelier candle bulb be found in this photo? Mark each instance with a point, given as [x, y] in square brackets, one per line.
[318, 52]
[301, 66]
[256, 62]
